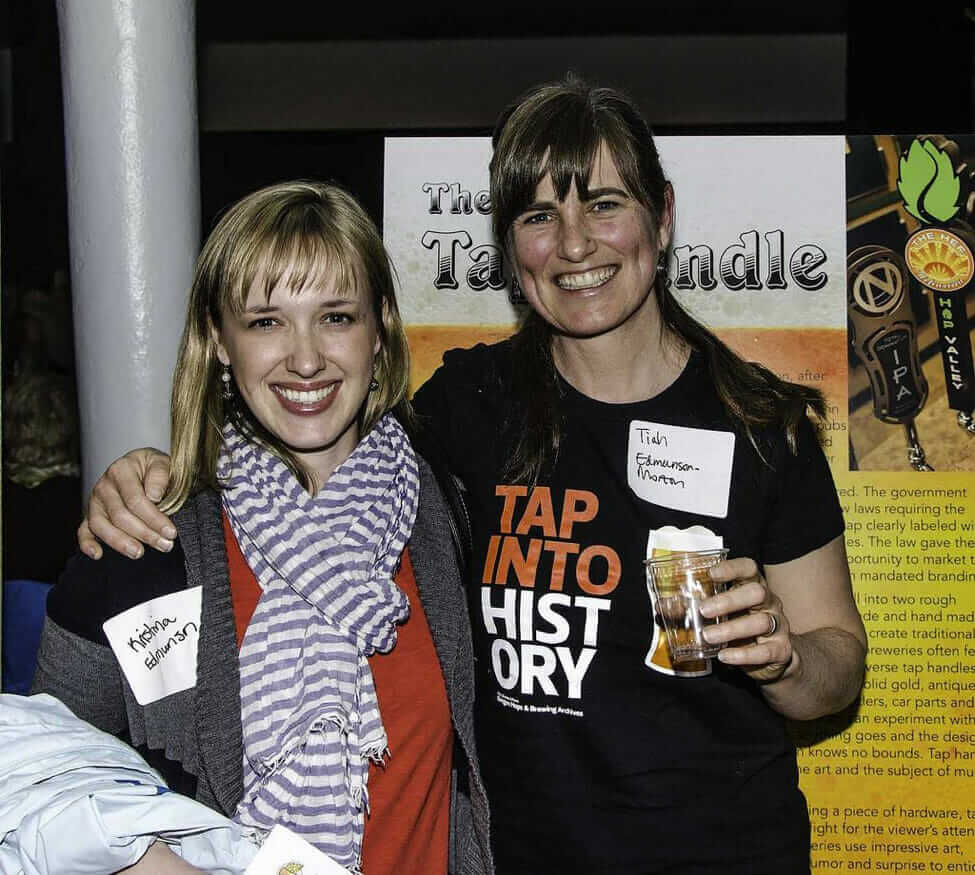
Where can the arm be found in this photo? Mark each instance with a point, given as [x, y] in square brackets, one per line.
[159, 860]
[813, 664]
[122, 510]
[83, 675]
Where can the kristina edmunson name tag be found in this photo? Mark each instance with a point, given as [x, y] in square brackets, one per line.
[155, 644]
[681, 468]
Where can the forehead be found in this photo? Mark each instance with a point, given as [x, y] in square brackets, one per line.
[603, 173]
[304, 286]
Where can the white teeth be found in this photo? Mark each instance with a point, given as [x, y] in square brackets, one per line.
[311, 397]
[590, 279]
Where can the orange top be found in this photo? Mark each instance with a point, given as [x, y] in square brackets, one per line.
[409, 795]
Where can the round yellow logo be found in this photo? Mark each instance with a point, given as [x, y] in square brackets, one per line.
[939, 259]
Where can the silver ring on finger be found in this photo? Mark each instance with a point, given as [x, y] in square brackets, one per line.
[773, 626]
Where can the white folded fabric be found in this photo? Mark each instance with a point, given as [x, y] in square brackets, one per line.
[74, 799]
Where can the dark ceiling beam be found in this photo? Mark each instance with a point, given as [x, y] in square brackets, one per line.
[422, 84]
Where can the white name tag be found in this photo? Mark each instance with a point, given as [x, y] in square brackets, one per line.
[681, 468]
[155, 644]
[285, 853]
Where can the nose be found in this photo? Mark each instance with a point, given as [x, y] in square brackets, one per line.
[575, 237]
[305, 358]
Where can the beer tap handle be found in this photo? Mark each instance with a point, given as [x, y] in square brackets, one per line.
[915, 452]
[966, 421]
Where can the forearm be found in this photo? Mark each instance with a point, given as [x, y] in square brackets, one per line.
[83, 675]
[159, 860]
[824, 675]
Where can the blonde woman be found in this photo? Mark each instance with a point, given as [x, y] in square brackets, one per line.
[334, 669]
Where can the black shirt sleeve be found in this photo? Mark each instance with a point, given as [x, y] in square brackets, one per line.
[460, 407]
[805, 513]
[88, 592]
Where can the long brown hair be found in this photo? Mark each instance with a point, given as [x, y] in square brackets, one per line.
[558, 129]
[298, 233]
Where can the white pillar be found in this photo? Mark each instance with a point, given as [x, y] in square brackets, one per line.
[129, 80]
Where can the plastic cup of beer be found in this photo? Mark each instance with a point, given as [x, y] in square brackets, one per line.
[680, 583]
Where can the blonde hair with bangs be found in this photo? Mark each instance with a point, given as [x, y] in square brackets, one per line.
[303, 234]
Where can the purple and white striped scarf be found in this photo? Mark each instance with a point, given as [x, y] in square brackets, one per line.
[310, 716]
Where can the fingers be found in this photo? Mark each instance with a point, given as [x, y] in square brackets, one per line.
[753, 627]
[121, 514]
[765, 654]
[87, 542]
[157, 478]
[110, 520]
[746, 596]
[741, 568]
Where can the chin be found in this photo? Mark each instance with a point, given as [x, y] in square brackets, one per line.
[586, 328]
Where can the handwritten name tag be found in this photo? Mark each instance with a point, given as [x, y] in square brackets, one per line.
[285, 853]
[681, 468]
[155, 644]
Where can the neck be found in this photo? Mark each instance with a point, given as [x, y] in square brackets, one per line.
[625, 365]
[319, 465]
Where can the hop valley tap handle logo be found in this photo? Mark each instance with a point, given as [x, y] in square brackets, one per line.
[929, 183]
[934, 190]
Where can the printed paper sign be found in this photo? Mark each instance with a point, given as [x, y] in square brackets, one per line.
[155, 644]
[285, 853]
[681, 468]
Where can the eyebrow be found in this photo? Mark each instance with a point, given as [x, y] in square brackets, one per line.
[607, 190]
[539, 205]
[592, 194]
[330, 304]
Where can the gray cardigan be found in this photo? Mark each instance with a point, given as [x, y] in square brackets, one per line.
[194, 737]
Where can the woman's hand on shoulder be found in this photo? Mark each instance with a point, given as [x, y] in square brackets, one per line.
[122, 508]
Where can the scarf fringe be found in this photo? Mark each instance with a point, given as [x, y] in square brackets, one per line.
[296, 745]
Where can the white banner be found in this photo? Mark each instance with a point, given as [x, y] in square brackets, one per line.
[760, 231]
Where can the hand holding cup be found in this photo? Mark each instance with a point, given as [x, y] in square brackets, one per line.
[755, 634]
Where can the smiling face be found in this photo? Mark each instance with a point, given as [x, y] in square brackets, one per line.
[302, 363]
[587, 263]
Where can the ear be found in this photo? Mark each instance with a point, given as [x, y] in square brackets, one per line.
[665, 231]
[218, 346]
[378, 328]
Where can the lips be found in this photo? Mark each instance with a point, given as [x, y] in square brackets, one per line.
[308, 400]
[587, 279]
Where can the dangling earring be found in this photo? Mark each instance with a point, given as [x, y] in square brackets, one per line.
[662, 269]
[516, 295]
[227, 391]
[374, 383]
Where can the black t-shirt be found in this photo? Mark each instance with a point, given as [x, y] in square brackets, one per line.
[596, 760]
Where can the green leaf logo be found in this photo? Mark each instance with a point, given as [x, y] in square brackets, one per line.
[928, 183]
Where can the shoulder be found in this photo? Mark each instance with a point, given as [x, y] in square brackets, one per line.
[482, 366]
[90, 592]
[432, 508]
[462, 406]
[477, 358]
